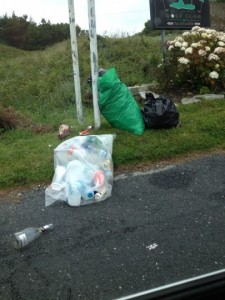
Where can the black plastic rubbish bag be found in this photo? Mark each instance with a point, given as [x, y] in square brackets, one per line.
[159, 112]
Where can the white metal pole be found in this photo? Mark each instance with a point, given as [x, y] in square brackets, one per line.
[94, 60]
[163, 36]
[76, 73]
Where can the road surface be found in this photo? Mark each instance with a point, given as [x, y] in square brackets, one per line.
[158, 227]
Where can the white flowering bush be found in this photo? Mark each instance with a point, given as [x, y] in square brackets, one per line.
[197, 58]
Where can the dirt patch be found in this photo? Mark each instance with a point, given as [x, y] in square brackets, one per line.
[11, 119]
[15, 195]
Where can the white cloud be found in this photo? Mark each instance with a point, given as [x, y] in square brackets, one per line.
[117, 16]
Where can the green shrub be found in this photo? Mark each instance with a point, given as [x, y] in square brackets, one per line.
[197, 59]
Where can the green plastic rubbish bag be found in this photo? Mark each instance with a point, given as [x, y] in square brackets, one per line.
[117, 104]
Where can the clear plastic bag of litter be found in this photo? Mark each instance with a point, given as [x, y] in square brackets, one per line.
[83, 170]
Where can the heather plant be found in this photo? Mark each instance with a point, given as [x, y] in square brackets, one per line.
[197, 59]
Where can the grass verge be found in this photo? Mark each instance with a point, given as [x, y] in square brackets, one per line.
[26, 158]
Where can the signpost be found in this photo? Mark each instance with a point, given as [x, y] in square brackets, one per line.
[94, 60]
[179, 14]
[76, 73]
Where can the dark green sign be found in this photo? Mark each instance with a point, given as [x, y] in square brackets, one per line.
[179, 14]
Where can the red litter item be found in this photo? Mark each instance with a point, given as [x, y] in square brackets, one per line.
[86, 131]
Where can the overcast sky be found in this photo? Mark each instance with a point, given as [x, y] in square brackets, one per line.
[112, 16]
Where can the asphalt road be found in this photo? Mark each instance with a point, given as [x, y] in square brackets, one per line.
[157, 228]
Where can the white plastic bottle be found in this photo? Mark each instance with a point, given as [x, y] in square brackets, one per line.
[73, 194]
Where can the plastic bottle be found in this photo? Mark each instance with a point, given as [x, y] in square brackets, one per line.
[93, 150]
[73, 194]
[86, 191]
[28, 235]
[78, 182]
[79, 191]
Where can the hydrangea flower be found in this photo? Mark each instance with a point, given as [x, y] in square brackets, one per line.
[196, 28]
[178, 44]
[186, 34]
[222, 38]
[189, 50]
[210, 31]
[170, 47]
[221, 44]
[214, 75]
[184, 44]
[183, 60]
[213, 56]
[202, 52]
[180, 39]
[204, 35]
[219, 50]
[217, 66]
[194, 45]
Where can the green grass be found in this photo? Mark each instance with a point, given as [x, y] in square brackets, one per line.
[40, 86]
[27, 158]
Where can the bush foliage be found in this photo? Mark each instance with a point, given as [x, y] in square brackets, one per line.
[197, 59]
[24, 33]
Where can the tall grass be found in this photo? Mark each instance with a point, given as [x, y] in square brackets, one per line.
[40, 83]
